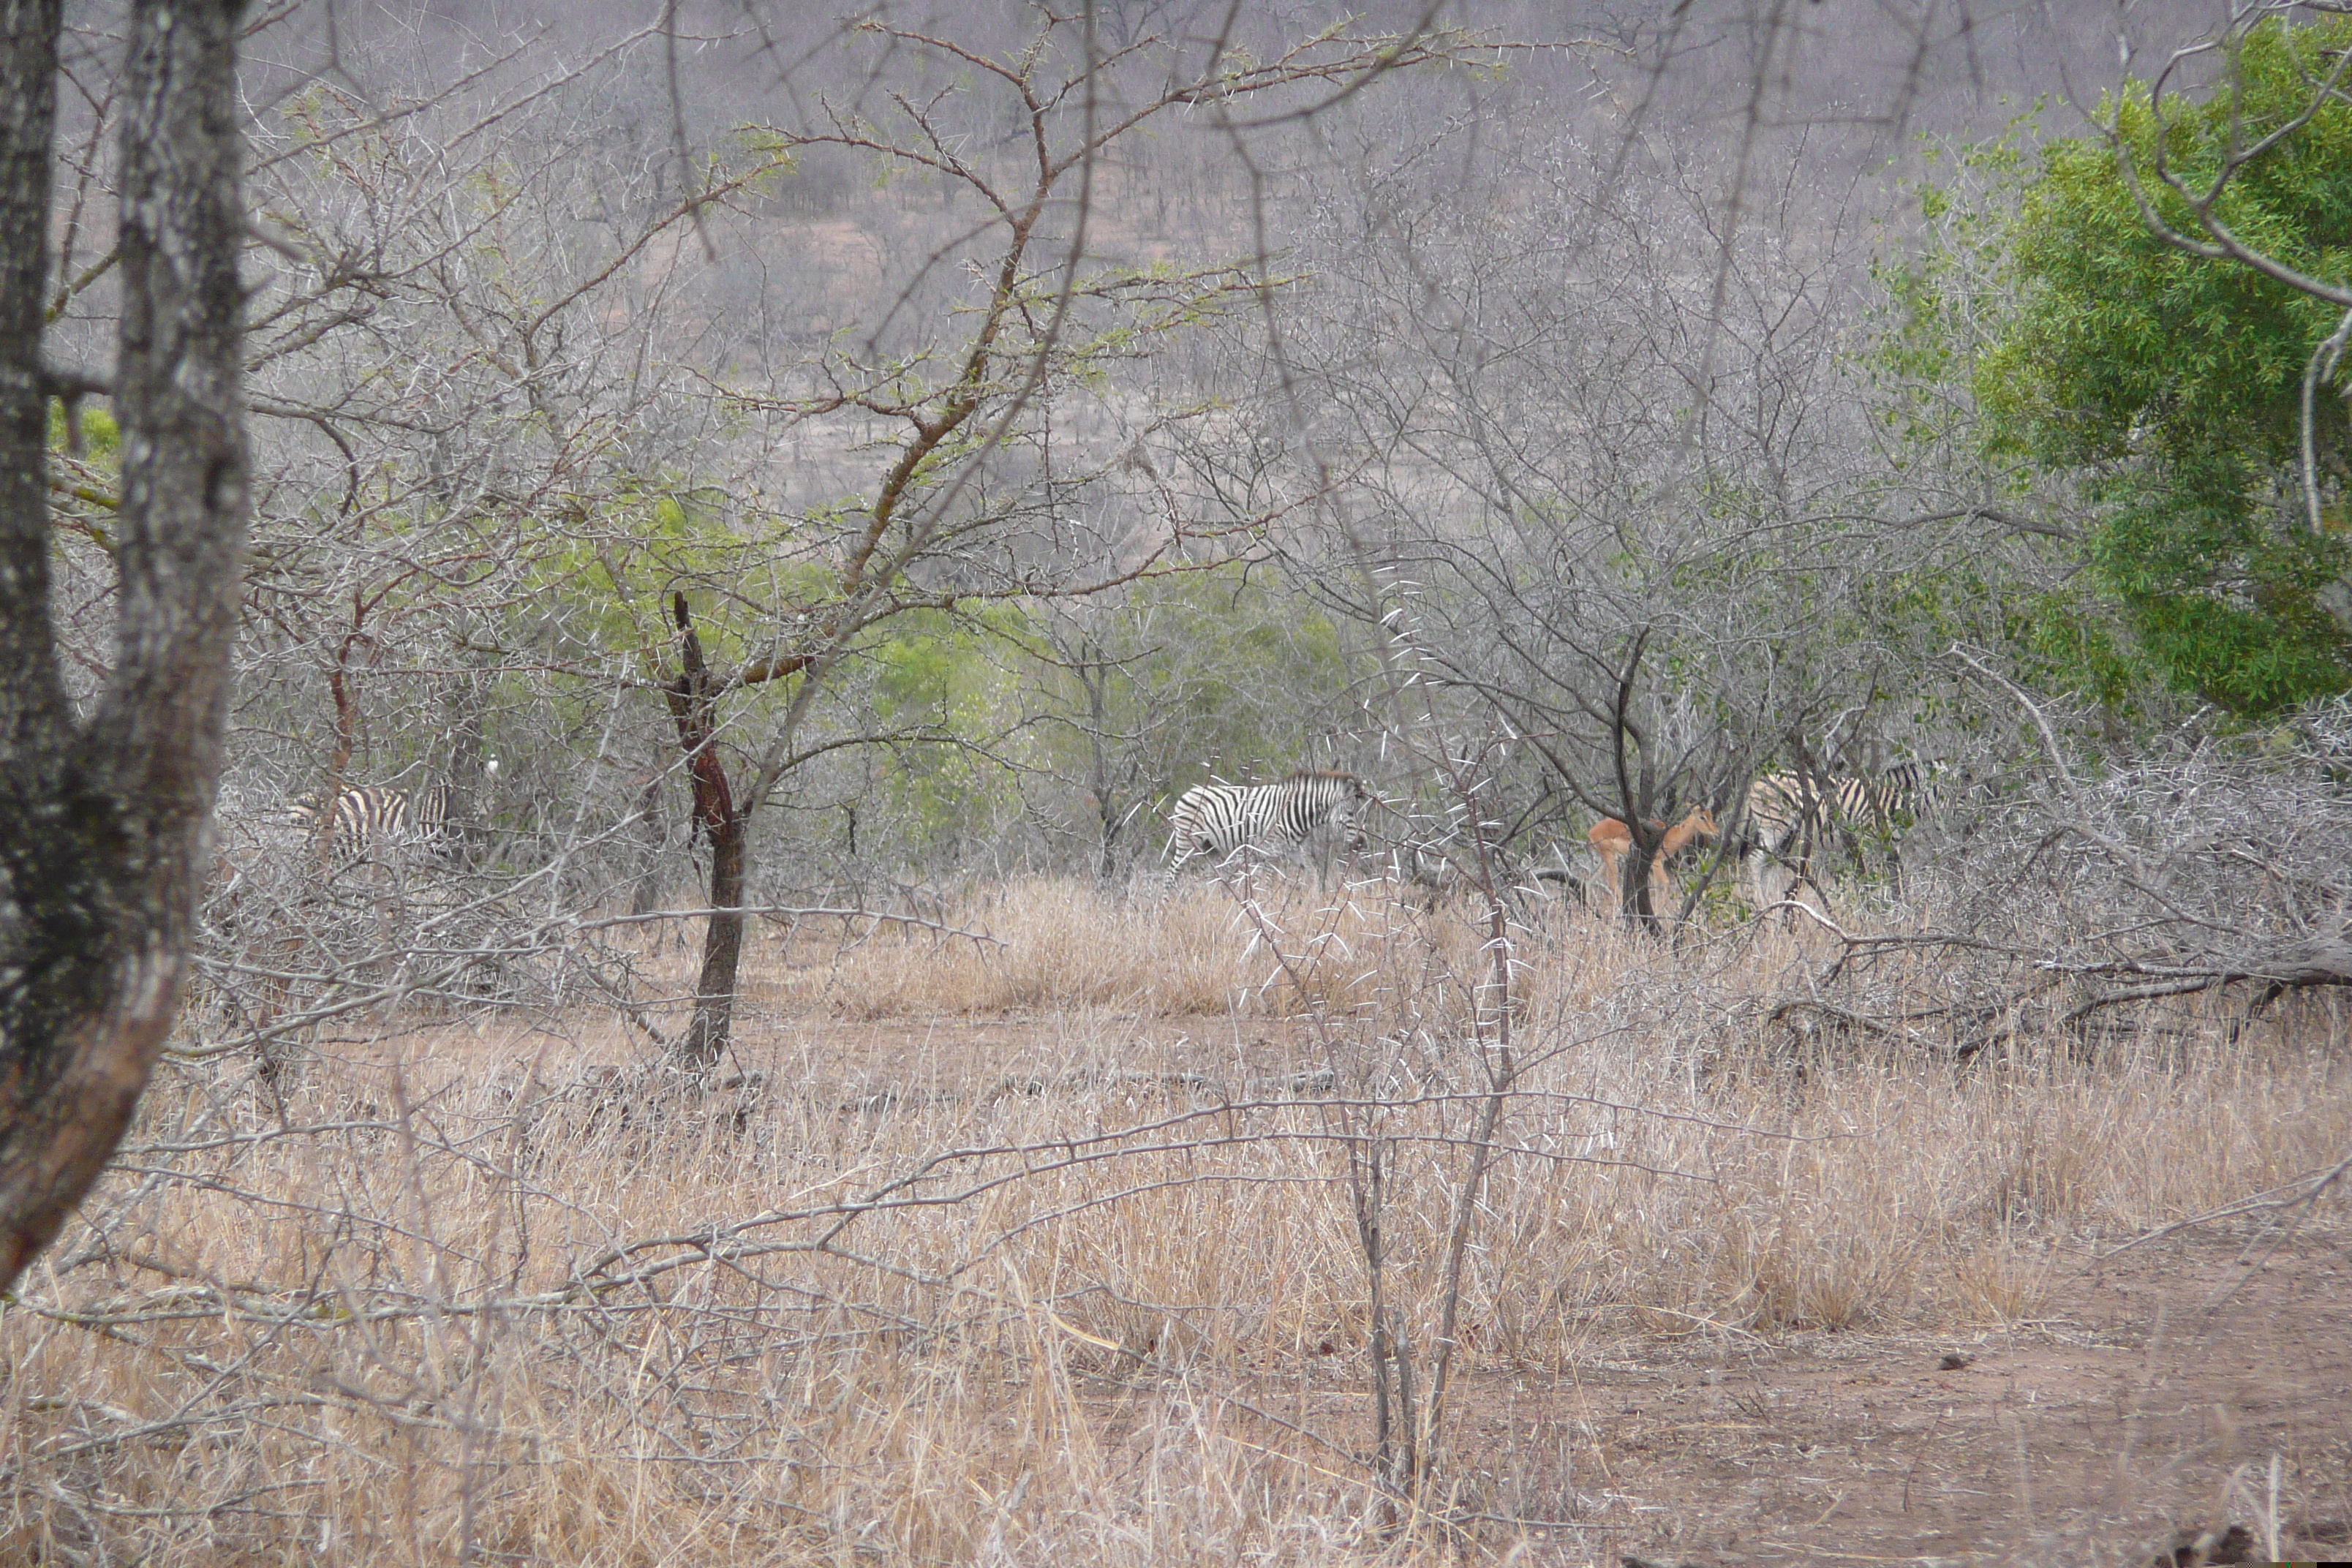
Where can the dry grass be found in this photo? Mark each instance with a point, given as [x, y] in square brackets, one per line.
[1044, 944]
[1084, 1287]
[1057, 944]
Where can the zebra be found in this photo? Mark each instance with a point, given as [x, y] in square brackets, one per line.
[1787, 815]
[1273, 819]
[364, 820]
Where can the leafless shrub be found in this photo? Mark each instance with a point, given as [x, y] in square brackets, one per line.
[2105, 886]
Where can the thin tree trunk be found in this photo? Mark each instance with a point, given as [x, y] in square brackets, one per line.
[105, 827]
[1633, 872]
[1364, 1176]
[693, 704]
[645, 894]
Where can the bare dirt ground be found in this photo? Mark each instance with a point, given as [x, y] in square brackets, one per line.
[2152, 1399]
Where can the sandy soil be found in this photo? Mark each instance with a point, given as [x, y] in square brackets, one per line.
[2159, 1377]
[2141, 1413]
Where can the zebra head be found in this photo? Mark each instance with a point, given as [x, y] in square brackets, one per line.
[1336, 798]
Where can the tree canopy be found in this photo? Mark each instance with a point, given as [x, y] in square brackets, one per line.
[2170, 384]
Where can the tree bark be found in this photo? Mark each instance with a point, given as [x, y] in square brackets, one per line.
[1094, 673]
[105, 824]
[693, 705]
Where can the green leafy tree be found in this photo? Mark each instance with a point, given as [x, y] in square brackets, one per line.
[947, 684]
[2168, 377]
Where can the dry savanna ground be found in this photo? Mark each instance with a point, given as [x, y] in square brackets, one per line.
[1056, 1247]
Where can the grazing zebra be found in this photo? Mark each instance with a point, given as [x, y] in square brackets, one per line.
[1787, 815]
[365, 820]
[1273, 819]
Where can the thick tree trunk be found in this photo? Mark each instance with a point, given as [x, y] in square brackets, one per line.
[1641, 900]
[105, 826]
[722, 946]
[693, 704]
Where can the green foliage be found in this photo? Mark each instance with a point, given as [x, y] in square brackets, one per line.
[948, 682]
[85, 482]
[1931, 325]
[1944, 309]
[102, 438]
[598, 571]
[1218, 671]
[1220, 664]
[2063, 638]
[1211, 672]
[2170, 384]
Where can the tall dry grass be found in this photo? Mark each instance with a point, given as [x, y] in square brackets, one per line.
[483, 1292]
[1062, 943]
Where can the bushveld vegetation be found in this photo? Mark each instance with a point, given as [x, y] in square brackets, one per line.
[984, 1251]
[792, 504]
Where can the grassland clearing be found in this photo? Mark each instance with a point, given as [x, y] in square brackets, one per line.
[1048, 1245]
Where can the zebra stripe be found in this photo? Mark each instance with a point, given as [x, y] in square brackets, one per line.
[1787, 814]
[1274, 819]
[364, 820]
